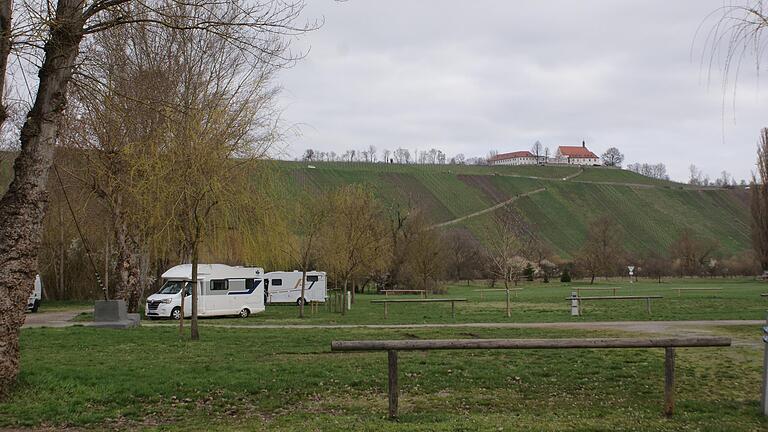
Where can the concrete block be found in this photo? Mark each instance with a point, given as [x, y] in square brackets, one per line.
[114, 314]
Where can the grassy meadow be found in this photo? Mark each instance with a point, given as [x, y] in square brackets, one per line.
[538, 302]
[247, 379]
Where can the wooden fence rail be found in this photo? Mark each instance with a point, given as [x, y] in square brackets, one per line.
[440, 300]
[422, 293]
[580, 289]
[647, 299]
[393, 346]
[681, 290]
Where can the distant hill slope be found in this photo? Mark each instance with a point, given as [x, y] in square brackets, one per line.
[651, 212]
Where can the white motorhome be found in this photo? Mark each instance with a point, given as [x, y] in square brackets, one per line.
[222, 290]
[285, 287]
[37, 295]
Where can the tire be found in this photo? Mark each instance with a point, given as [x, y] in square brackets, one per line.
[176, 313]
[301, 301]
[36, 306]
[244, 312]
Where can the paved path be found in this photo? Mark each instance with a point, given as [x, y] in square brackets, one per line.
[630, 326]
[54, 319]
[489, 209]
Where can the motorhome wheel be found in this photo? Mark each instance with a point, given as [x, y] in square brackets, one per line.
[244, 313]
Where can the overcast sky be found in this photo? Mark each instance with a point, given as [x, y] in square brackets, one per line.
[469, 77]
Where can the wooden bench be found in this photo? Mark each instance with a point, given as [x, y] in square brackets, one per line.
[680, 290]
[647, 299]
[393, 346]
[484, 290]
[440, 300]
[404, 291]
[580, 289]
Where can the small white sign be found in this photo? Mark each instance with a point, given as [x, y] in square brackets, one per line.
[631, 270]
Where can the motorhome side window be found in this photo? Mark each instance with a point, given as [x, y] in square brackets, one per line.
[251, 284]
[219, 285]
[277, 282]
[313, 278]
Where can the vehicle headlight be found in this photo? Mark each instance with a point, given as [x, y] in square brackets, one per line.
[166, 301]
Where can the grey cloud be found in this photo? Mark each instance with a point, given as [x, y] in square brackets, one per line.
[468, 77]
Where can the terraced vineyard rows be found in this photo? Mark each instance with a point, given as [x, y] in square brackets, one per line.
[651, 212]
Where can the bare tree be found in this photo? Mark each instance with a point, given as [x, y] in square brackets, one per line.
[759, 202]
[56, 35]
[602, 251]
[697, 178]
[309, 218]
[654, 265]
[358, 244]
[692, 252]
[538, 151]
[612, 157]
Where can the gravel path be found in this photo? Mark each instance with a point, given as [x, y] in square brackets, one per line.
[54, 319]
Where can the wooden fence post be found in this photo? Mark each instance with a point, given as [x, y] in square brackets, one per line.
[392, 387]
[453, 310]
[509, 313]
[648, 305]
[669, 381]
[385, 310]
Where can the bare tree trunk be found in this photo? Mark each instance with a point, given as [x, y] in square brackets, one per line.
[62, 253]
[128, 264]
[6, 14]
[23, 206]
[194, 332]
[344, 298]
[303, 287]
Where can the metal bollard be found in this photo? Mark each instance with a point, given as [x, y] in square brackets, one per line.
[575, 304]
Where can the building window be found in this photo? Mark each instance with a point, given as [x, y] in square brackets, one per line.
[219, 285]
[277, 282]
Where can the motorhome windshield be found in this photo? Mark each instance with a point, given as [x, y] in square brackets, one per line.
[172, 287]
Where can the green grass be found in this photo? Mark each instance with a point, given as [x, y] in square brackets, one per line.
[234, 379]
[739, 299]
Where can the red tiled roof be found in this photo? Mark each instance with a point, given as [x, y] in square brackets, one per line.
[513, 155]
[576, 152]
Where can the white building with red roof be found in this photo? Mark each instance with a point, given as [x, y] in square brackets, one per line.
[514, 158]
[576, 155]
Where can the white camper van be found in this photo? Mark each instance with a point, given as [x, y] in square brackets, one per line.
[285, 287]
[37, 295]
[222, 290]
